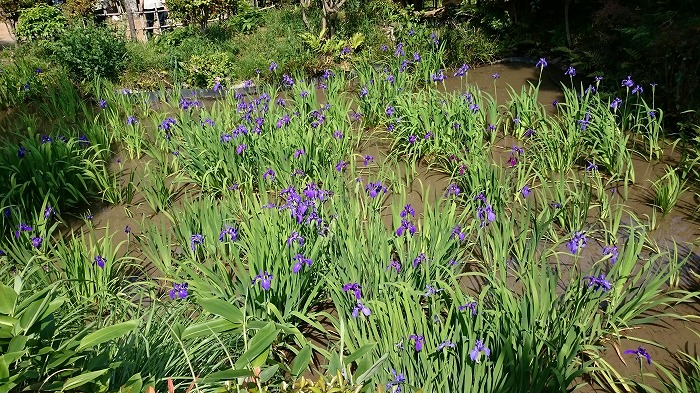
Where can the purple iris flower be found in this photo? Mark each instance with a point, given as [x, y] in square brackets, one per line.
[457, 233]
[638, 90]
[299, 152]
[217, 86]
[616, 103]
[230, 232]
[439, 76]
[368, 159]
[418, 341]
[364, 92]
[395, 385]
[640, 352]
[577, 242]
[99, 261]
[598, 283]
[46, 139]
[269, 173]
[394, 265]
[287, 80]
[408, 210]
[340, 166]
[445, 344]
[36, 242]
[384, 48]
[399, 50]
[179, 291]
[354, 287]
[208, 122]
[22, 227]
[419, 259]
[375, 188]
[21, 152]
[167, 123]
[127, 229]
[195, 240]
[431, 290]
[542, 63]
[265, 279]
[485, 214]
[416, 57]
[583, 123]
[526, 191]
[591, 167]
[412, 139]
[627, 82]
[496, 76]
[571, 71]
[102, 104]
[452, 189]
[613, 252]
[300, 262]
[407, 227]
[479, 347]
[652, 114]
[241, 148]
[273, 67]
[390, 111]
[471, 306]
[48, 212]
[360, 308]
[390, 79]
[462, 71]
[295, 237]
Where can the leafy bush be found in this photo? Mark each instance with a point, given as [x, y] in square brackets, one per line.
[41, 22]
[198, 12]
[202, 70]
[89, 52]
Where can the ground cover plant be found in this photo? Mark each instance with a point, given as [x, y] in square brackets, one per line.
[259, 244]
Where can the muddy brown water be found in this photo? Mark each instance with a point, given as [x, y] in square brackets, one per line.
[680, 226]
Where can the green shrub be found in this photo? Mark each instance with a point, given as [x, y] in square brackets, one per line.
[202, 70]
[41, 22]
[198, 12]
[89, 52]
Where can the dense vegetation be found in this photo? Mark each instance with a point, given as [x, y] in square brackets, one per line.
[254, 242]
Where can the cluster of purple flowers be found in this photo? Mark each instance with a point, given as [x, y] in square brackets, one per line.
[457, 233]
[471, 306]
[462, 71]
[301, 260]
[419, 259]
[485, 212]
[374, 189]
[577, 242]
[179, 291]
[598, 283]
[395, 384]
[228, 232]
[196, 240]
[304, 206]
[613, 252]
[190, 103]
[452, 190]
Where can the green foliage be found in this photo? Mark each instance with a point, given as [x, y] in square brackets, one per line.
[198, 12]
[33, 171]
[89, 52]
[204, 70]
[10, 10]
[39, 23]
